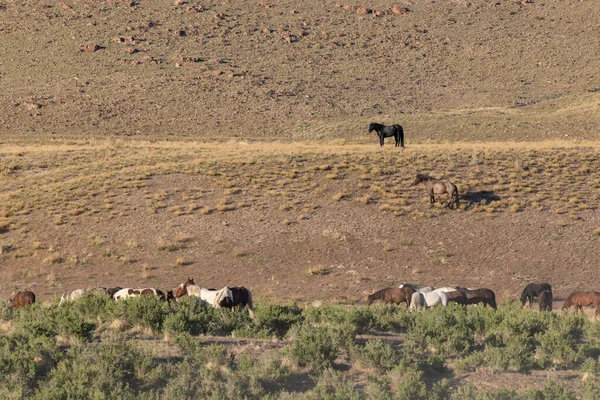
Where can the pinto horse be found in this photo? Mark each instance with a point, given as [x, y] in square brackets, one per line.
[545, 300]
[215, 297]
[242, 297]
[534, 290]
[435, 186]
[579, 299]
[476, 296]
[21, 299]
[392, 295]
[128, 293]
[388, 131]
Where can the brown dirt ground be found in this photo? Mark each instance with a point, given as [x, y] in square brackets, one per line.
[335, 219]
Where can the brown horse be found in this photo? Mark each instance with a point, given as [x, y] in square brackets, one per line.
[579, 299]
[22, 299]
[476, 296]
[392, 295]
[435, 186]
[545, 300]
[457, 297]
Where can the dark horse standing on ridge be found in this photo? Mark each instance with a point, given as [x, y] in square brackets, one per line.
[388, 131]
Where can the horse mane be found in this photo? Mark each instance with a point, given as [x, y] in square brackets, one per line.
[379, 294]
[425, 177]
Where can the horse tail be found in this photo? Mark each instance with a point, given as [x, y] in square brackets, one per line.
[401, 137]
[250, 304]
[493, 301]
[456, 197]
[62, 299]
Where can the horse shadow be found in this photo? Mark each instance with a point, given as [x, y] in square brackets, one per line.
[482, 196]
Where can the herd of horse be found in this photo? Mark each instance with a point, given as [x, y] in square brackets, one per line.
[416, 297]
[228, 297]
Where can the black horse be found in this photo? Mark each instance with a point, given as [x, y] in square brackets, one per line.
[533, 290]
[545, 300]
[387, 131]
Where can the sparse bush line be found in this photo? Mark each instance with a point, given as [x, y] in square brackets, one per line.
[316, 339]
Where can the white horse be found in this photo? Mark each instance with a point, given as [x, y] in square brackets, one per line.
[129, 292]
[447, 289]
[74, 295]
[428, 299]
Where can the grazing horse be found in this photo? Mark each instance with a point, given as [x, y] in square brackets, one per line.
[128, 292]
[215, 297]
[21, 299]
[429, 299]
[476, 296]
[545, 300]
[73, 295]
[392, 295]
[415, 288]
[454, 295]
[533, 290]
[242, 297]
[388, 131]
[579, 299]
[438, 187]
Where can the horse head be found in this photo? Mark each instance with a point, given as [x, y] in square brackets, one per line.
[420, 178]
[190, 281]
[370, 300]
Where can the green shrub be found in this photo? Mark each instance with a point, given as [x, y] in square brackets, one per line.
[275, 320]
[316, 347]
[331, 385]
[23, 358]
[147, 311]
[105, 370]
[377, 354]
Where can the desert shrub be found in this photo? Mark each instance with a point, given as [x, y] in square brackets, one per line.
[516, 353]
[189, 315]
[225, 321]
[35, 320]
[147, 311]
[411, 387]
[72, 323]
[23, 359]
[316, 347]
[331, 385]
[377, 354]
[93, 306]
[105, 370]
[211, 371]
[446, 330]
[275, 320]
[7, 312]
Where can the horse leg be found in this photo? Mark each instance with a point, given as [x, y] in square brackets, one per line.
[431, 197]
[397, 140]
[381, 140]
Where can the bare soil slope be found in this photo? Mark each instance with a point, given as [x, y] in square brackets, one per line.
[298, 221]
[448, 71]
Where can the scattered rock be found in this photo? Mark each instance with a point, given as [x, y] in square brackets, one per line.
[379, 13]
[400, 10]
[363, 11]
[90, 47]
[179, 2]
[180, 33]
